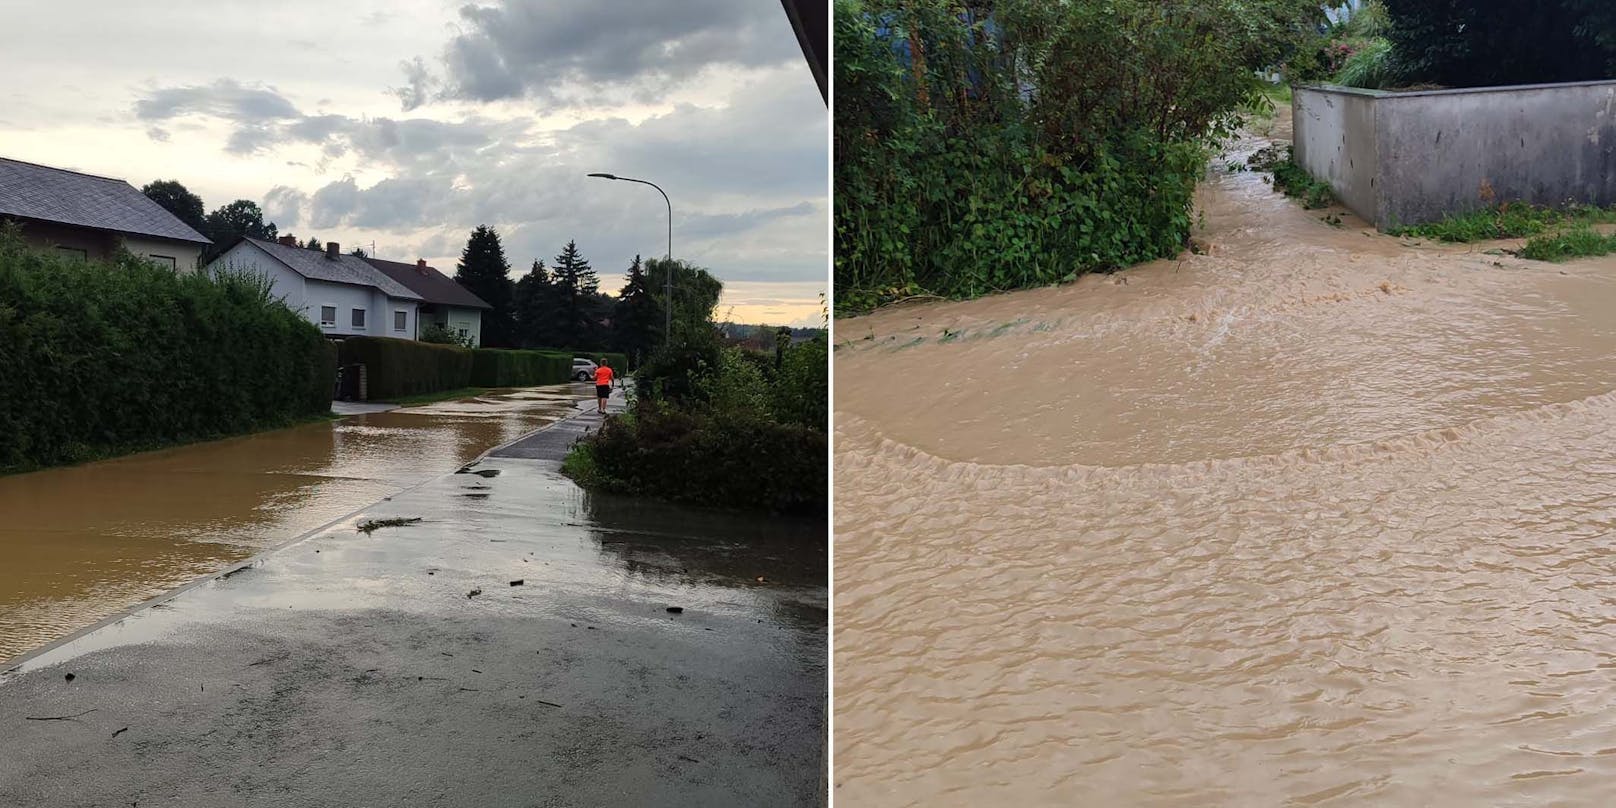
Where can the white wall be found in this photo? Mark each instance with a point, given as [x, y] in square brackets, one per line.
[185, 254]
[383, 307]
[284, 283]
[469, 319]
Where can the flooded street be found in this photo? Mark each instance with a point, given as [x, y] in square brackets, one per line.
[1315, 516]
[79, 544]
[509, 640]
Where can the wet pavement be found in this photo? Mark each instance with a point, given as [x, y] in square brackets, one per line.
[1311, 515]
[515, 647]
[81, 543]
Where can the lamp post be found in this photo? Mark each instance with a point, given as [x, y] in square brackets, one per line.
[667, 307]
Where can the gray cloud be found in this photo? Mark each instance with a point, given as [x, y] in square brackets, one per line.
[569, 53]
[225, 98]
[283, 205]
[421, 84]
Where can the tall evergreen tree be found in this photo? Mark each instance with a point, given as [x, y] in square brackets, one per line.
[313, 244]
[636, 315]
[178, 200]
[484, 270]
[575, 283]
[534, 308]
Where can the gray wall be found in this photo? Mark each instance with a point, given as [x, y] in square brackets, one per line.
[1440, 152]
[1337, 144]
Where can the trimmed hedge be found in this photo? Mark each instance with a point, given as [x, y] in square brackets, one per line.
[399, 367]
[101, 359]
[494, 367]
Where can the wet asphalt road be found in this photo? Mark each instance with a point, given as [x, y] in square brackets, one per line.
[359, 670]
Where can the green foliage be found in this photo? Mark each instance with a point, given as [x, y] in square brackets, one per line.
[178, 200]
[1509, 220]
[101, 359]
[240, 218]
[575, 284]
[1578, 242]
[396, 368]
[636, 316]
[1369, 66]
[484, 271]
[1060, 139]
[1291, 179]
[493, 367]
[439, 335]
[706, 459]
[1466, 43]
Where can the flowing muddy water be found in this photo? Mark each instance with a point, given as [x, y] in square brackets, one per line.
[1316, 516]
[79, 544]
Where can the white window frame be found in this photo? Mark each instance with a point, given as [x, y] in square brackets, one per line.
[363, 318]
[331, 323]
[401, 320]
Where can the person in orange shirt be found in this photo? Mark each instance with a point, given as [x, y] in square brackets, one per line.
[603, 384]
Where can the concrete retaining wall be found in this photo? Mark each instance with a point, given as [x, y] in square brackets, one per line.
[1411, 157]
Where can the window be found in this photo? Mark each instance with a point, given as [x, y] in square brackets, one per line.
[74, 252]
[401, 319]
[464, 333]
[358, 318]
[163, 261]
[328, 315]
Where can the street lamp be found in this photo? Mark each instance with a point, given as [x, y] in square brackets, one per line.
[667, 308]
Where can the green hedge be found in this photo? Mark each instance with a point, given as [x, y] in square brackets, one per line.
[494, 367]
[399, 367]
[100, 359]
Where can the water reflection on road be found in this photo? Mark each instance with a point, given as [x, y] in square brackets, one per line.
[78, 544]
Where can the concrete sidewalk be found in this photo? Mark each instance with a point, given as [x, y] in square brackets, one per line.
[514, 647]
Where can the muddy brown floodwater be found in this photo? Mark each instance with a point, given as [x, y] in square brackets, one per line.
[79, 544]
[1317, 516]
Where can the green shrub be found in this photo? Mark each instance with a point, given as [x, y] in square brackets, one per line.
[399, 367]
[1058, 139]
[1294, 181]
[496, 367]
[1369, 66]
[1578, 242]
[706, 459]
[106, 358]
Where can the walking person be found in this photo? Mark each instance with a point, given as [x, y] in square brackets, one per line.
[603, 384]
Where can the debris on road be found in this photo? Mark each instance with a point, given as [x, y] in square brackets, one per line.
[372, 525]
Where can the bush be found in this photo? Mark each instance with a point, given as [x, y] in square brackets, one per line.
[399, 367]
[1040, 142]
[1501, 42]
[106, 358]
[495, 367]
[705, 459]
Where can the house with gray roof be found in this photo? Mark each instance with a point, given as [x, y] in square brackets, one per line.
[342, 294]
[444, 302]
[90, 217]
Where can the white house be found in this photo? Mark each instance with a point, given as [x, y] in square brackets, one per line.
[444, 302]
[342, 294]
[89, 217]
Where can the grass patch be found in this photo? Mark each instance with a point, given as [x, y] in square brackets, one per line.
[1294, 181]
[441, 395]
[1511, 220]
[1578, 242]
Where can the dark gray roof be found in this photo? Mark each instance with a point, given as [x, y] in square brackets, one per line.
[57, 195]
[433, 286]
[349, 269]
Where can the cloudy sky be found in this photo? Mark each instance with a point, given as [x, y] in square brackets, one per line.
[406, 123]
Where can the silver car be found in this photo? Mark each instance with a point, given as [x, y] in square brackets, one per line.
[583, 370]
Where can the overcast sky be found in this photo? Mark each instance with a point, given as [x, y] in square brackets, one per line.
[407, 123]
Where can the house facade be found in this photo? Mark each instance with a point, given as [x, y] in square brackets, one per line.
[89, 217]
[444, 302]
[342, 294]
